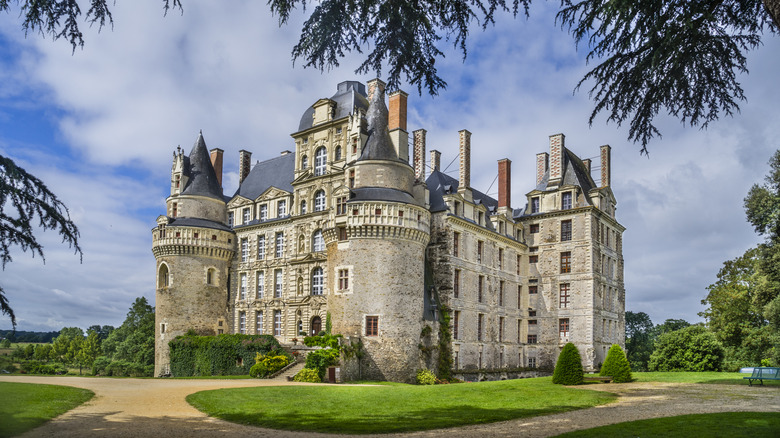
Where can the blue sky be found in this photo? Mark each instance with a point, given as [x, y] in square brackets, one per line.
[99, 127]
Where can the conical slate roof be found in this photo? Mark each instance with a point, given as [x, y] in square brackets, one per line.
[378, 145]
[202, 178]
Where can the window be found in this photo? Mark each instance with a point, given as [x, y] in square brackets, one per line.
[343, 279]
[342, 233]
[563, 327]
[277, 323]
[372, 326]
[320, 161]
[501, 293]
[230, 219]
[260, 284]
[480, 218]
[279, 245]
[319, 200]
[531, 322]
[500, 258]
[244, 250]
[337, 152]
[565, 230]
[174, 210]
[564, 296]
[341, 205]
[480, 283]
[480, 325]
[247, 215]
[211, 276]
[242, 287]
[519, 296]
[519, 330]
[531, 339]
[566, 201]
[457, 208]
[533, 229]
[501, 227]
[259, 323]
[455, 243]
[533, 290]
[261, 247]
[565, 262]
[455, 324]
[531, 362]
[535, 205]
[264, 212]
[281, 208]
[163, 278]
[278, 283]
[500, 329]
[316, 281]
[518, 264]
[318, 243]
[242, 323]
[480, 244]
[352, 178]
[303, 207]
[532, 313]
[304, 162]
[533, 259]
[456, 284]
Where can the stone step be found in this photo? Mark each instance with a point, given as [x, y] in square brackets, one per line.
[290, 372]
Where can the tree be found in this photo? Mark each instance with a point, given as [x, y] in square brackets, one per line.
[616, 365]
[102, 331]
[639, 339]
[691, 348]
[25, 200]
[675, 56]
[568, 369]
[133, 341]
[670, 325]
[63, 348]
[89, 351]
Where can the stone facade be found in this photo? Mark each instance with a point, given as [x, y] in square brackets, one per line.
[344, 226]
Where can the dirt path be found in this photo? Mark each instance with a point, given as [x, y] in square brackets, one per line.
[157, 408]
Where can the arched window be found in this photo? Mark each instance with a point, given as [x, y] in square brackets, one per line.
[318, 243]
[211, 276]
[337, 153]
[303, 207]
[163, 279]
[319, 200]
[320, 161]
[316, 281]
[316, 325]
[304, 162]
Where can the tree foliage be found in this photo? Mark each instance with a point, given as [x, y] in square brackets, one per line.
[133, 341]
[25, 203]
[568, 369]
[616, 365]
[639, 339]
[692, 348]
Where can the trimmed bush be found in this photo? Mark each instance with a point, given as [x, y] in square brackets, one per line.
[266, 365]
[568, 370]
[425, 377]
[616, 365]
[307, 375]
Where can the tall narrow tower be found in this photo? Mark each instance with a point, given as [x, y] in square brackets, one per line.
[194, 247]
[376, 256]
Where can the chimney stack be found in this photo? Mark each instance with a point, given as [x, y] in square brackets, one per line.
[419, 154]
[244, 164]
[373, 84]
[542, 160]
[465, 160]
[556, 157]
[396, 119]
[504, 183]
[435, 160]
[216, 163]
[606, 158]
[586, 162]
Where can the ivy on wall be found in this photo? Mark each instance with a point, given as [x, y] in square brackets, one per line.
[221, 355]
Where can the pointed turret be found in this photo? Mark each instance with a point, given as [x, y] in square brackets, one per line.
[203, 180]
[379, 145]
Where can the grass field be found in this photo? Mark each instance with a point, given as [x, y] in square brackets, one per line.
[700, 377]
[725, 424]
[26, 406]
[392, 408]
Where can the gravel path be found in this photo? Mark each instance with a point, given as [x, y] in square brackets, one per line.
[156, 407]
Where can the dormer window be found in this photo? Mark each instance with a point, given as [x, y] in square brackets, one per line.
[480, 218]
[247, 215]
[264, 212]
[303, 207]
[304, 162]
[337, 152]
[535, 205]
[281, 208]
[230, 219]
[320, 161]
[566, 201]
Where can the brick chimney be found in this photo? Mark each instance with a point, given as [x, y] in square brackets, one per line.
[542, 160]
[244, 164]
[435, 160]
[606, 171]
[216, 163]
[556, 158]
[418, 156]
[397, 124]
[504, 183]
[372, 86]
[464, 176]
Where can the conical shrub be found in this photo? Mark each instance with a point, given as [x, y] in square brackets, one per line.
[616, 365]
[568, 370]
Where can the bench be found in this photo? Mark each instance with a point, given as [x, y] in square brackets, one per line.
[763, 373]
[605, 379]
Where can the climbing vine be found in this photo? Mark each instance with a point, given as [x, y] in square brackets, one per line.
[222, 355]
[445, 343]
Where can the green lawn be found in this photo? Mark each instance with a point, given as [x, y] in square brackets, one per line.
[726, 425]
[395, 408]
[26, 406]
[700, 377]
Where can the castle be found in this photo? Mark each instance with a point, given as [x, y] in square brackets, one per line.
[344, 226]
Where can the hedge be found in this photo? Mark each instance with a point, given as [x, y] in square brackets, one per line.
[221, 355]
[568, 370]
[616, 365]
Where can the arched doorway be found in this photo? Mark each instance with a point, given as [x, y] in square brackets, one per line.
[316, 325]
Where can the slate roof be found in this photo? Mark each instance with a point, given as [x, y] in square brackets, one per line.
[381, 194]
[440, 184]
[277, 172]
[350, 95]
[378, 145]
[202, 178]
[574, 174]
[195, 222]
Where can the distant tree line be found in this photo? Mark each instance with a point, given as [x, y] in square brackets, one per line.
[23, 336]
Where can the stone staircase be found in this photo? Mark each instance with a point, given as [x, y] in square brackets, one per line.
[288, 372]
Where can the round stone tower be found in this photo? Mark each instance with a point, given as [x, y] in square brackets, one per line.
[376, 256]
[194, 247]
